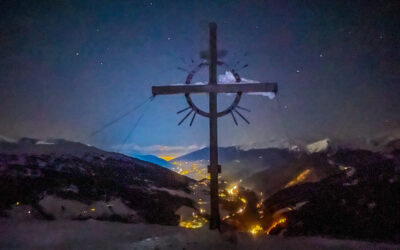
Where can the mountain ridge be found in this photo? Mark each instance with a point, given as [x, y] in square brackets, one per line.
[59, 179]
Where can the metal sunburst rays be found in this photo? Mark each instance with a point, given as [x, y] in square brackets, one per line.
[232, 112]
[232, 109]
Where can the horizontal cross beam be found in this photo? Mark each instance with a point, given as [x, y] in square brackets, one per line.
[215, 88]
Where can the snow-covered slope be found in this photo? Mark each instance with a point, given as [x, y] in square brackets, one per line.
[362, 201]
[93, 234]
[62, 179]
[388, 141]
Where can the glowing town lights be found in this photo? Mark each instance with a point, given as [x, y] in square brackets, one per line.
[276, 223]
[243, 200]
[240, 211]
[197, 222]
[193, 170]
[226, 217]
[301, 177]
[202, 211]
[233, 190]
[344, 168]
[183, 172]
[256, 229]
[201, 202]
[203, 183]
[92, 209]
[17, 203]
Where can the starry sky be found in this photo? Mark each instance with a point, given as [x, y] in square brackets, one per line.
[69, 67]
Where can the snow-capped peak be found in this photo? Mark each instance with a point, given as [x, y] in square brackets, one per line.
[7, 139]
[44, 143]
[319, 146]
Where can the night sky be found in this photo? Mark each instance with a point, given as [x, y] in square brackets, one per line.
[69, 67]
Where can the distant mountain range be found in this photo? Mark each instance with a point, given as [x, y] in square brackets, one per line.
[270, 169]
[384, 142]
[51, 146]
[265, 170]
[321, 188]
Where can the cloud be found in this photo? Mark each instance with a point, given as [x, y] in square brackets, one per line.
[158, 150]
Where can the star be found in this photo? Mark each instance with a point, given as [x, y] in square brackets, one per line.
[298, 71]
[77, 53]
[321, 55]
[169, 38]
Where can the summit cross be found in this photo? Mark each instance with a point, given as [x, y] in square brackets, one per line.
[212, 89]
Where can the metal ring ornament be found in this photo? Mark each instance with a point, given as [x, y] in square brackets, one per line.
[202, 112]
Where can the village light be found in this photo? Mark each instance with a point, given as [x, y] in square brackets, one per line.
[256, 229]
[276, 223]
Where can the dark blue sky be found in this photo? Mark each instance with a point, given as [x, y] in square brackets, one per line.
[68, 67]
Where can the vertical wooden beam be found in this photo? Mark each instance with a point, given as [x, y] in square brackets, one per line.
[215, 217]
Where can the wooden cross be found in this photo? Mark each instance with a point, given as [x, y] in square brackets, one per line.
[213, 88]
